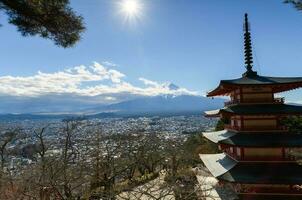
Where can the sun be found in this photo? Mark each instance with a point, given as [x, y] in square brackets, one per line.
[130, 7]
[131, 10]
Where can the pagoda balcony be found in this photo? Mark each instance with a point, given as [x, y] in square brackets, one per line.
[279, 100]
[228, 103]
[252, 188]
[255, 128]
[253, 101]
[266, 158]
[232, 127]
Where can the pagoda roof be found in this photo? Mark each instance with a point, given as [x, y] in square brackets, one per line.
[278, 84]
[249, 139]
[255, 109]
[264, 172]
[212, 113]
[217, 136]
[251, 77]
[261, 196]
[263, 80]
[224, 168]
[218, 164]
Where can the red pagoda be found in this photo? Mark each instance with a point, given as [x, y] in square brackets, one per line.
[256, 158]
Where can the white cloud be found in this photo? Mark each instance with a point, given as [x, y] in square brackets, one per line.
[110, 98]
[92, 81]
[149, 82]
[109, 64]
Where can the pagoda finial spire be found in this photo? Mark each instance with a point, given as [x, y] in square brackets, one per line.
[247, 45]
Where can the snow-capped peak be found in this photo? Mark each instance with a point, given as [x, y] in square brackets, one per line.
[171, 86]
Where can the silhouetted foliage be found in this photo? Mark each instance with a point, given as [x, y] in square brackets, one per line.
[52, 19]
[294, 124]
[296, 3]
[220, 124]
[195, 145]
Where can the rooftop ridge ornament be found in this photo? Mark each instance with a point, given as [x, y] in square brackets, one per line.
[248, 53]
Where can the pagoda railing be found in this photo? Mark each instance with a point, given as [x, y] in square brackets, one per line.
[267, 158]
[279, 100]
[256, 128]
[231, 102]
[232, 127]
[258, 101]
[248, 189]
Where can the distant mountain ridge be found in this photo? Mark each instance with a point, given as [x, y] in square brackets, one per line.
[177, 101]
[165, 103]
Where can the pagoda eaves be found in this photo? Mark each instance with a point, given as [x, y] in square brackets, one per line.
[250, 139]
[278, 84]
[257, 109]
[224, 167]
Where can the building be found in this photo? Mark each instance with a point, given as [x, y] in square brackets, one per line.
[256, 159]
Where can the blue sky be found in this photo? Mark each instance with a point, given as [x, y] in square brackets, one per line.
[192, 43]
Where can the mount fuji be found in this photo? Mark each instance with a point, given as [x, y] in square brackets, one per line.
[167, 103]
[176, 101]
